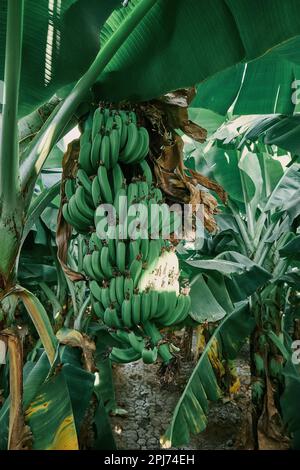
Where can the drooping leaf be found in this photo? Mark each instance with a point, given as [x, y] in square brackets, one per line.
[287, 192]
[263, 86]
[50, 417]
[225, 170]
[285, 134]
[80, 384]
[41, 321]
[189, 416]
[289, 401]
[291, 249]
[61, 41]
[38, 206]
[204, 306]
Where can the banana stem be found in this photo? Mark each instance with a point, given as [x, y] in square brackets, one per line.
[163, 350]
[9, 154]
[39, 150]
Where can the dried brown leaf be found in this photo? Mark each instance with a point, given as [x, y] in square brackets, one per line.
[64, 230]
[270, 428]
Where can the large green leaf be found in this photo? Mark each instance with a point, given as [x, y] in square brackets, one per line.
[38, 206]
[225, 170]
[37, 373]
[62, 38]
[41, 321]
[50, 417]
[285, 134]
[190, 415]
[263, 86]
[80, 384]
[287, 189]
[290, 401]
[204, 305]
[291, 249]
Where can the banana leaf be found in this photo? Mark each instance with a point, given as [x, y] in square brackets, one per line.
[50, 417]
[61, 39]
[292, 249]
[190, 414]
[263, 86]
[290, 401]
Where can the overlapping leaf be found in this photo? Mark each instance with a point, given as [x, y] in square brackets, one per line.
[62, 38]
[190, 415]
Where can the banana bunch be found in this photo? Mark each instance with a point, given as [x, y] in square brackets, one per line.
[133, 280]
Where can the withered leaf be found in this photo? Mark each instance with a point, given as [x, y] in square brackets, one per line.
[64, 230]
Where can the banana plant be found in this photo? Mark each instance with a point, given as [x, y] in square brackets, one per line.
[257, 232]
[32, 74]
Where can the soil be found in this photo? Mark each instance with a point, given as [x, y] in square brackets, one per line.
[150, 407]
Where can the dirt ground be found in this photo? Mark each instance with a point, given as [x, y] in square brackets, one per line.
[150, 408]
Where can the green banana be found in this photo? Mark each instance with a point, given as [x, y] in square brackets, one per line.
[120, 204]
[134, 250]
[144, 248]
[84, 180]
[96, 192]
[157, 194]
[105, 188]
[146, 306]
[163, 304]
[82, 204]
[88, 266]
[132, 193]
[123, 356]
[118, 123]
[95, 290]
[124, 129]
[132, 141]
[156, 338]
[111, 250]
[110, 123]
[153, 302]
[147, 173]
[126, 313]
[111, 318]
[76, 214]
[120, 335]
[136, 309]
[121, 256]
[149, 356]
[105, 298]
[137, 343]
[85, 137]
[105, 156]
[95, 151]
[120, 289]
[84, 158]
[135, 270]
[154, 252]
[112, 291]
[79, 227]
[105, 263]
[128, 287]
[118, 178]
[99, 275]
[143, 189]
[132, 117]
[172, 316]
[70, 188]
[114, 139]
[98, 121]
[96, 241]
[144, 147]
[99, 310]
